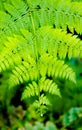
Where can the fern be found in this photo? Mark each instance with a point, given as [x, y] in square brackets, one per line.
[73, 50]
[33, 48]
[43, 85]
[61, 14]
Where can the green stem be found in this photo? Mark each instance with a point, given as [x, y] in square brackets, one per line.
[34, 31]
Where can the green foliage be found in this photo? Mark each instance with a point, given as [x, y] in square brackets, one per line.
[74, 114]
[34, 47]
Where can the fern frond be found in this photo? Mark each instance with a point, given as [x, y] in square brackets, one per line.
[23, 73]
[14, 50]
[43, 101]
[57, 41]
[49, 86]
[31, 90]
[45, 85]
[63, 71]
[47, 66]
[69, 13]
[41, 105]
[33, 47]
[55, 68]
[61, 14]
[19, 6]
[21, 47]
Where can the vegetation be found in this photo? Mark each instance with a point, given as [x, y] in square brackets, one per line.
[40, 64]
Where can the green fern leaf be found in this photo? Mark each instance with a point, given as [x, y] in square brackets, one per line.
[31, 90]
[49, 86]
[33, 48]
